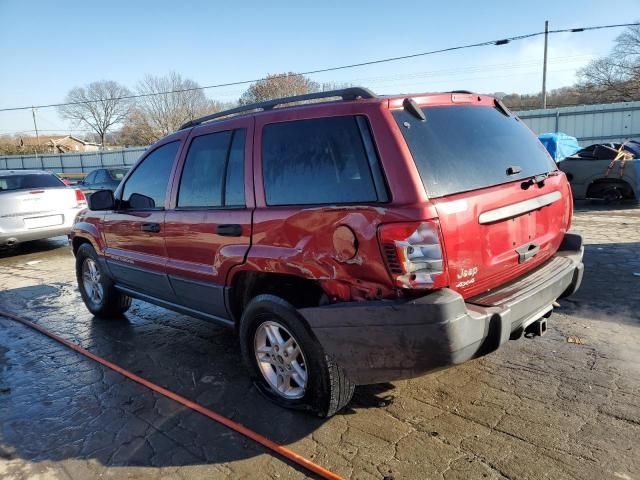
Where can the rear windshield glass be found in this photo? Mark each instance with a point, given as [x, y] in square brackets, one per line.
[462, 148]
[29, 181]
[118, 174]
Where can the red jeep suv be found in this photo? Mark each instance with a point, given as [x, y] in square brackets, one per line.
[350, 240]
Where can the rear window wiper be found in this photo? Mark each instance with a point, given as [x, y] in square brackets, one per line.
[537, 180]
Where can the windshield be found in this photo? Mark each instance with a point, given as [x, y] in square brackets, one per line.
[462, 148]
[29, 181]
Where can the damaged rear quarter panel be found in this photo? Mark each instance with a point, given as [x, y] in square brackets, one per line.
[300, 241]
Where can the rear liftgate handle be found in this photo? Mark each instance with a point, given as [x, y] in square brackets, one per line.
[527, 252]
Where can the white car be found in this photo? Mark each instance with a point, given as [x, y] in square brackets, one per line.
[34, 205]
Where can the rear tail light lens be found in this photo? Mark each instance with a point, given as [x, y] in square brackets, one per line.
[81, 200]
[413, 253]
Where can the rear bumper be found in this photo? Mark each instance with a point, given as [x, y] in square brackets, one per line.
[13, 232]
[381, 341]
[14, 238]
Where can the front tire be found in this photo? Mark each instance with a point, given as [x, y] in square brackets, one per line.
[287, 363]
[96, 288]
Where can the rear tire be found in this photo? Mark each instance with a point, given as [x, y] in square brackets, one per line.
[612, 195]
[326, 388]
[96, 288]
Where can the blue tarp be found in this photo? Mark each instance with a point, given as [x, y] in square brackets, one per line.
[559, 145]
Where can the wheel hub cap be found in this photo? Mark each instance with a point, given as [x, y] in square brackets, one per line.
[280, 360]
[91, 281]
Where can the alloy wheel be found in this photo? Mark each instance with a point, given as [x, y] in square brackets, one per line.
[91, 281]
[281, 360]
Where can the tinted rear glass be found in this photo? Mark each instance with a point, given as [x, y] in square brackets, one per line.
[203, 174]
[318, 161]
[27, 182]
[461, 148]
[234, 190]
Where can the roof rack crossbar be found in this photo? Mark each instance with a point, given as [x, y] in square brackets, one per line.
[350, 93]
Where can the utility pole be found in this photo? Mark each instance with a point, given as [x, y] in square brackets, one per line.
[544, 66]
[35, 126]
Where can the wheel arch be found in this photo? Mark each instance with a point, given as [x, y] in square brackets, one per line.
[79, 240]
[246, 285]
[600, 183]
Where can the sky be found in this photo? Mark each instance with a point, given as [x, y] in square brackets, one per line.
[49, 47]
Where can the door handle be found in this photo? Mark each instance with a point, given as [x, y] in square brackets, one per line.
[150, 227]
[527, 252]
[229, 230]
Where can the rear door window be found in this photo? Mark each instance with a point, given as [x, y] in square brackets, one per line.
[91, 178]
[146, 188]
[320, 161]
[462, 148]
[234, 187]
[213, 173]
[102, 176]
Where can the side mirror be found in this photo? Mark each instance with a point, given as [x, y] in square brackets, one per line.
[101, 200]
[137, 201]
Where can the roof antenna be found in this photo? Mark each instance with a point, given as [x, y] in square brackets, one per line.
[412, 107]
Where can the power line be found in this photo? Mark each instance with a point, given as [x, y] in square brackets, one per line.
[449, 73]
[62, 129]
[503, 41]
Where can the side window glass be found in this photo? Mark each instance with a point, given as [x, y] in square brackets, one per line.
[213, 174]
[317, 161]
[203, 175]
[147, 186]
[89, 179]
[234, 189]
[101, 176]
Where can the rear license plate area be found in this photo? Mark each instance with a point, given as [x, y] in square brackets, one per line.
[40, 222]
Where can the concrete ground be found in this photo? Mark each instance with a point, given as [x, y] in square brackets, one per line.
[539, 408]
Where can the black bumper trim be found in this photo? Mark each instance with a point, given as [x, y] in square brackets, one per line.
[381, 341]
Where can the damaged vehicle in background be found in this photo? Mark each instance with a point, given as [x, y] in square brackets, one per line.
[605, 171]
[355, 240]
[34, 205]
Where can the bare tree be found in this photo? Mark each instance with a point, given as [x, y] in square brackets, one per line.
[616, 77]
[99, 105]
[164, 112]
[278, 85]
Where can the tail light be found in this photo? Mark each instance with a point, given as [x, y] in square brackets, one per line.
[81, 200]
[413, 253]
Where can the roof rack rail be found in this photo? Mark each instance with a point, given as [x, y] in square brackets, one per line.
[350, 93]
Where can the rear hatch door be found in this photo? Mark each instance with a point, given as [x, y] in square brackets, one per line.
[502, 204]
